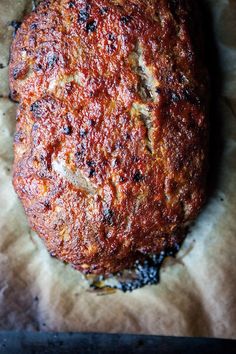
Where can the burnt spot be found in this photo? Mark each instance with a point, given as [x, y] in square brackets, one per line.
[135, 158]
[174, 96]
[174, 7]
[51, 60]
[33, 26]
[16, 25]
[111, 36]
[67, 130]
[118, 146]
[16, 72]
[37, 67]
[115, 162]
[47, 204]
[125, 19]
[71, 4]
[103, 10]
[91, 26]
[111, 48]
[20, 71]
[90, 163]
[1, 66]
[83, 15]
[35, 126]
[92, 122]
[32, 41]
[108, 216]
[83, 133]
[137, 177]
[52, 254]
[92, 172]
[190, 96]
[13, 96]
[36, 109]
[18, 137]
[80, 151]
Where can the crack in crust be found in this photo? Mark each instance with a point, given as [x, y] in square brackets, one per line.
[142, 111]
[148, 84]
[78, 179]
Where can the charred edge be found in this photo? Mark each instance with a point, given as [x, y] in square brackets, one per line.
[16, 25]
[13, 96]
[35, 4]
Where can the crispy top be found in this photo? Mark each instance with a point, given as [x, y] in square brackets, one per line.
[110, 147]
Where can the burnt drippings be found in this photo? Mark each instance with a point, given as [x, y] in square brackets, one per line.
[145, 272]
[91, 26]
[108, 216]
[16, 25]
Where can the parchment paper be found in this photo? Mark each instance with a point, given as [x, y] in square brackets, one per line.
[196, 295]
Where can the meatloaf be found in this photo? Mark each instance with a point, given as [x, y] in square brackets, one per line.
[111, 135]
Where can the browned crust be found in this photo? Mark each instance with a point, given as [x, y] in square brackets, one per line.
[110, 147]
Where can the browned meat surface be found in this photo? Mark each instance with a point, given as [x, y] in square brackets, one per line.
[110, 147]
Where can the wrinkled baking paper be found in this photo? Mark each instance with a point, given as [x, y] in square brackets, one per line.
[196, 295]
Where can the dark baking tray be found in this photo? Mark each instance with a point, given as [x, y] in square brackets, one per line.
[102, 343]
